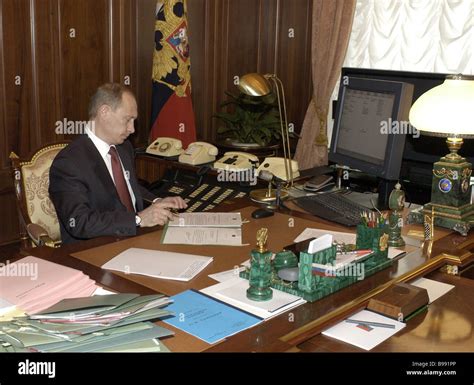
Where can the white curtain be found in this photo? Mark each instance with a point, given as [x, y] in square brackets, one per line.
[412, 35]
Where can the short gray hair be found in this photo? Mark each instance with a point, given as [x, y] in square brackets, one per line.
[109, 94]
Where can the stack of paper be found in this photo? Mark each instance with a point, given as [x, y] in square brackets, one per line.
[33, 284]
[116, 322]
[158, 264]
[234, 292]
[205, 229]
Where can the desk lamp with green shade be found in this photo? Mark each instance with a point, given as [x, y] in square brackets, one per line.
[257, 85]
[448, 111]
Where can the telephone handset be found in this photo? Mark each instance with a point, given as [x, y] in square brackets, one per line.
[237, 161]
[199, 153]
[276, 166]
[166, 147]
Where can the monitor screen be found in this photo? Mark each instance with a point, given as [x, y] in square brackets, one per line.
[361, 115]
[370, 126]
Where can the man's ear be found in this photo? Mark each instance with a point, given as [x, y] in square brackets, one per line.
[103, 111]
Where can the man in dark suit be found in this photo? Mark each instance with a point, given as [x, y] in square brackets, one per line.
[93, 184]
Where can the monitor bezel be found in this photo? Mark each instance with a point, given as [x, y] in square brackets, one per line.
[390, 168]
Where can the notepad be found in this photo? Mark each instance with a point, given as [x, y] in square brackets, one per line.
[158, 264]
[362, 336]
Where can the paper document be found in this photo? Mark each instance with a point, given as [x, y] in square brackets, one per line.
[205, 229]
[206, 318]
[226, 236]
[158, 264]
[342, 260]
[34, 284]
[361, 335]
[228, 274]
[234, 292]
[435, 289]
[5, 306]
[207, 220]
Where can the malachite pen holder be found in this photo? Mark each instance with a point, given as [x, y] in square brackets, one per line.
[260, 276]
[375, 238]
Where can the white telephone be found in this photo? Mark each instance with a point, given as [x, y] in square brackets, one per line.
[276, 166]
[237, 161]
[166, 147]
[199, 153]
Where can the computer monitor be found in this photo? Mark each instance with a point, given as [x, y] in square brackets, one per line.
[370, 126]
[420, 152]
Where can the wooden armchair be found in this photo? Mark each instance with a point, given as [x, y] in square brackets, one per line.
[39, 223]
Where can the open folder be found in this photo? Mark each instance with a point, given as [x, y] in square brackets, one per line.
[204, 229]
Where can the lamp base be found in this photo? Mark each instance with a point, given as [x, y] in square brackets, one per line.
[266, 196]
[460, 219]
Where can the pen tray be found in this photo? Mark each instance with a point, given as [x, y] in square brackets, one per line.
[314, 286]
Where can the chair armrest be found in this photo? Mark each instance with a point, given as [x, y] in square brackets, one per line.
[40, 236]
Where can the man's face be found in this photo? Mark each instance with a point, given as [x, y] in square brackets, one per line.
[117, 125]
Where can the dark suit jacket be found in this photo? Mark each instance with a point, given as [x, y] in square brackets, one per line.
[85, 196]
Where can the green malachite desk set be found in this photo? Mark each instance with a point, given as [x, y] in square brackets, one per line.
[314, 284]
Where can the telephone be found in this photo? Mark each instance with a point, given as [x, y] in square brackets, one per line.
[237, 161]
[166, 147]
[276, 166]
[199, 153]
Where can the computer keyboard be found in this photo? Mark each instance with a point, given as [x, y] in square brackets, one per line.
[334, 207]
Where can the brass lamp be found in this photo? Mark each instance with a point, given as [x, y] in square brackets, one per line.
[254, 84]
[448, 111]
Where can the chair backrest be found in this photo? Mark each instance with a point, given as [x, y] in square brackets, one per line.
[31, 185]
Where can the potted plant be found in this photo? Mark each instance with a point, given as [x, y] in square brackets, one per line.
[250, 121]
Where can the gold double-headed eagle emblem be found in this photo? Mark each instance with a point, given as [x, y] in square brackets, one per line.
[174, 54]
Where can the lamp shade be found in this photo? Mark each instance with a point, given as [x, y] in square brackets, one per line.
[446, 110]
[254, 84]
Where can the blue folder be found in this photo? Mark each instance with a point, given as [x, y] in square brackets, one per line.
[207, 318]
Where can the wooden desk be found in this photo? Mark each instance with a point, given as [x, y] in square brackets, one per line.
[286, 332]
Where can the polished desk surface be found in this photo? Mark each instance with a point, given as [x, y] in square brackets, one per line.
[297, 329]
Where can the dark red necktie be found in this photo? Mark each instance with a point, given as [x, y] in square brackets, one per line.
[120, 183]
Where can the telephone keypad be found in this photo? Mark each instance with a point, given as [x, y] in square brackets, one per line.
[202, 196]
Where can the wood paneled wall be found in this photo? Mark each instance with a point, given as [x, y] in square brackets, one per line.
[54, 53]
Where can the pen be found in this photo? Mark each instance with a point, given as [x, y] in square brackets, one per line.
[355, 252]
[369, 323]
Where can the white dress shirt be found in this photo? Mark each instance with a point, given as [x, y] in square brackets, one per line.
[103, 149]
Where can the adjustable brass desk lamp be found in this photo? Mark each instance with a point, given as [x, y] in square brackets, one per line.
[448, 110]
[254, 84]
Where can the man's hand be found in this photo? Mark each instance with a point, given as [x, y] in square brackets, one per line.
[159, 213]
[178, 201]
